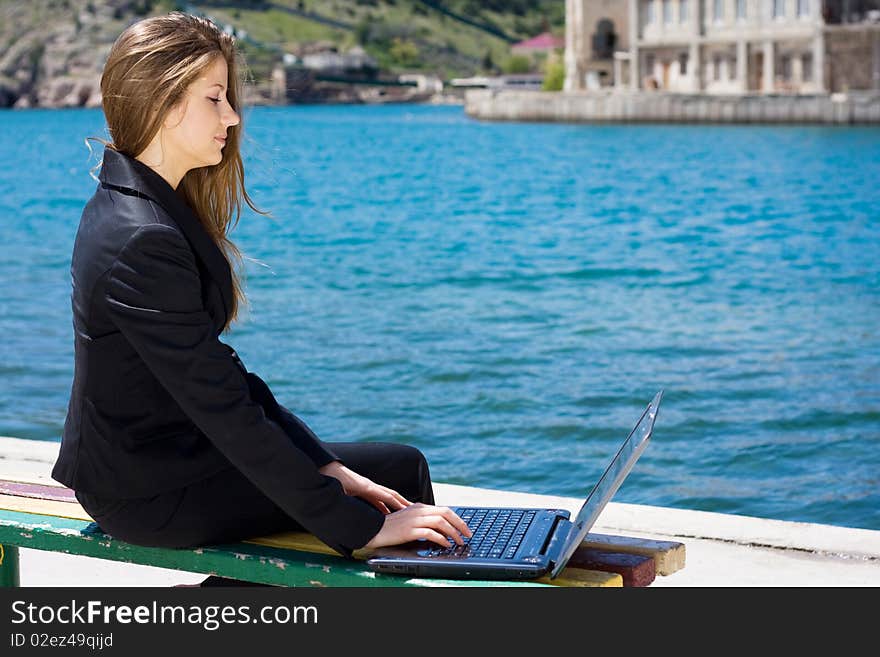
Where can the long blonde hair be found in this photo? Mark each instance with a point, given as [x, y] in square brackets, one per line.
[146, 74]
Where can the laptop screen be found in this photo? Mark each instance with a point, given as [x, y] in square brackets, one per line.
[609, 482]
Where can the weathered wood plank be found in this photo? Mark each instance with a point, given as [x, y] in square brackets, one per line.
[298, 542]
[39, 491]
[669, 556]
[583, 577]
[570, 576]
[248, 562]
[636, 570]
[72, 510]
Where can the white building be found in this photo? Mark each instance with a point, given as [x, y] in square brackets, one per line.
[728, 46]
[725, 46]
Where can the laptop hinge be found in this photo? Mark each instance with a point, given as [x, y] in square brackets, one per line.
[556, 538]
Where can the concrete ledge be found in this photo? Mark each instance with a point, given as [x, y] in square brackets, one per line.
[658, 106]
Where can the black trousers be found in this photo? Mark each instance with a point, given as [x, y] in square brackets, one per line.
[227, 507]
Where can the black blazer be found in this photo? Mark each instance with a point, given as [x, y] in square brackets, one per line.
[158, 401]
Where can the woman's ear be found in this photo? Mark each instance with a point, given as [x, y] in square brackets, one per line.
[175, 114]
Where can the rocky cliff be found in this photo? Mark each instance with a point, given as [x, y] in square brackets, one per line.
[52, 52]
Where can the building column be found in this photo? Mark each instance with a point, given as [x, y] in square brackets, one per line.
[618, 71]
[769, 82]
[797, 73]
[695, 67]
[635, 71]
[822, 85]
[570, 57]
[695, 62]
[742, 66]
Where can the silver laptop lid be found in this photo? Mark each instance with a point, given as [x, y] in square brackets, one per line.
[609, 482]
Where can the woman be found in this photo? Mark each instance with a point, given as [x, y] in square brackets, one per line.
[169, 440]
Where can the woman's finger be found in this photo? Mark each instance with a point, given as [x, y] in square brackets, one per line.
[401, 499]
[400, 502]
[397, 498]
[455, 520]
[443, 526]
[394, 499]
[431, 535]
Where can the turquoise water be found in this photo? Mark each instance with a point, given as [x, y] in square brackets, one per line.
[508, 297]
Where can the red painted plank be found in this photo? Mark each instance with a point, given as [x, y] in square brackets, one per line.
[39, 491]
[635, 569]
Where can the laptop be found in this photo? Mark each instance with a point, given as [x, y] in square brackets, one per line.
[518, 543]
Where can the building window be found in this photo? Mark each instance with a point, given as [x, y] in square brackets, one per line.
[667, 11]
[718, 12]
[649, 64]
[741, 9]
[683, 63]
[649, 12]
[807, 67]
[778, 8]
[803, 8]
[785, 66]
[716, 67]
[682, 10]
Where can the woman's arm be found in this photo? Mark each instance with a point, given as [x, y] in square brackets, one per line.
[153, 295]
[297, 430]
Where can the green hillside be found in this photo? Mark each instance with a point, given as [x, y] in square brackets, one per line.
[451, 38]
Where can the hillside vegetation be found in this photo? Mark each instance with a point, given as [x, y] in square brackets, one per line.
[52, 52]
[448, 37]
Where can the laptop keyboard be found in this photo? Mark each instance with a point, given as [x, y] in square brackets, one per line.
[497, 533]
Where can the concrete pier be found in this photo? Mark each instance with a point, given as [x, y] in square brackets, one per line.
[610, 106]
[721, 550]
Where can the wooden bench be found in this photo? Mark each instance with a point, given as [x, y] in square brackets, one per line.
[48, 517]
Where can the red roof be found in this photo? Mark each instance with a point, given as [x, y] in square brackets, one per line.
[543, 41]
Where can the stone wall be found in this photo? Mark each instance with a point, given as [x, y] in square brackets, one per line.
[624, 107]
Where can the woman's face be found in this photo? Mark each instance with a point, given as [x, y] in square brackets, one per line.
[194, 131]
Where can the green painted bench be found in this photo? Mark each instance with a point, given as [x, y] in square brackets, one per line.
[245, 561]
[48, 517]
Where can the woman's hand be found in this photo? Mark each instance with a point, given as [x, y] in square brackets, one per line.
[434, 523]
[383, 498]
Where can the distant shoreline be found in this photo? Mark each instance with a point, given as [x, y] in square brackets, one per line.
[436, 99]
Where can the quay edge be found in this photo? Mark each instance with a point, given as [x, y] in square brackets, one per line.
[722, 550]
[862, 108]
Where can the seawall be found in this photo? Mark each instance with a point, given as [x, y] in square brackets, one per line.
[642, 107]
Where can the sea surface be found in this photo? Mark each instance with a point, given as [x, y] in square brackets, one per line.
[508, 297]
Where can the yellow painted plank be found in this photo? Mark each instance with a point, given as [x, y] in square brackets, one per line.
[582, 577]
[44, 507]
[300, 541]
